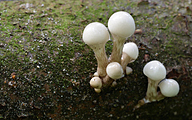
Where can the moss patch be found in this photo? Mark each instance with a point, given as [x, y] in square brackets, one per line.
[41, 44]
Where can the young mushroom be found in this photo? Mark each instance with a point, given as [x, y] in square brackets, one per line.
[169, 87]
[130, 54]
[121, 25]
[114, 71]
[155, 71]
[128, 70]
[97, 90]
[96, 83]
[96, 35]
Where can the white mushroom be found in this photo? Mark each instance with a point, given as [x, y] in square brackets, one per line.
[155, 71]
[114, 70]
[130, 54]
[96, 35]
[96, 82]
[169, 87]
[121, 25]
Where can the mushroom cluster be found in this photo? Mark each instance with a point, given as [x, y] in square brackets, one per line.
[156, 74]
[121, 25]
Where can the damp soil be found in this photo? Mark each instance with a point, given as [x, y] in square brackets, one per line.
[45, 67]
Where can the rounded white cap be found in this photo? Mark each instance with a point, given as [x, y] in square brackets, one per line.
[154, 70]
[122, 24]
[95, 33]
[114, 70]
[128, 70]
[169, 87]
[96, 82]
[131, 50]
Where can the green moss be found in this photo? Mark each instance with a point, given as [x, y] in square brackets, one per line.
[43, 45]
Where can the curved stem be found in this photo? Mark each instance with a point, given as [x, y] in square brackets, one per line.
[101, 60]
[151, 94]
[152, 90]
[125, 59]
[107, 81]
[143, 101]
[116, 54]
[140, 103]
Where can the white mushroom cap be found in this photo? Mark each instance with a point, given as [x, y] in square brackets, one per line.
[169, 87]
[95, 33]
[131, 50]
[114, 70]
[96, 82]
[154, 70]
[122, 24]
[128, 70]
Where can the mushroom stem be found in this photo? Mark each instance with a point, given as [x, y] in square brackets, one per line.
[145, 100]
[151, 94]
[125, 59]
[160, 96]
[118, 43]
[107, 81]
[140, 103]
[101, 60]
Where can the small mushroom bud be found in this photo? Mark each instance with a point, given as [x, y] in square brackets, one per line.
[114, 70]
[96, 35]
[128, 70]
[96, 74]
[130, 54]
[169, 87]
[96, 82]
[121, 25]
[155, 71]
[97, 90]
[114, 83]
